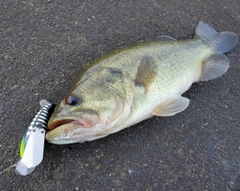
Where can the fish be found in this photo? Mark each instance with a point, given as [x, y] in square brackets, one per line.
[127, 86]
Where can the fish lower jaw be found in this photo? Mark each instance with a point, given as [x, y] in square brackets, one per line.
[61, 141]
[60, 134]
[73, 132]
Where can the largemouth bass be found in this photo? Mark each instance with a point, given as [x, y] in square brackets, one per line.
[135, 83]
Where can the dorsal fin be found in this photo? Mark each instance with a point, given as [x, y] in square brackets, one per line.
[166, 37]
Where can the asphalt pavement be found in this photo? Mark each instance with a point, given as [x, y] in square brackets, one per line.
[44, 45]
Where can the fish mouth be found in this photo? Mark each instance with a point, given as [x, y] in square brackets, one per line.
[55, 124]
[58, 123]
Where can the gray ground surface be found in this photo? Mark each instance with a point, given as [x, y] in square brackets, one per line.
[44, 45]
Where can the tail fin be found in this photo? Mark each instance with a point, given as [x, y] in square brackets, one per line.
[216, 64]
[220, 42]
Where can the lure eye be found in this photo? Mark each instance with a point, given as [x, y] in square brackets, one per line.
[72, 100]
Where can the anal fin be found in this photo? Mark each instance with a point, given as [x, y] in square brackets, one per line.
[214, 66]
[171, 107]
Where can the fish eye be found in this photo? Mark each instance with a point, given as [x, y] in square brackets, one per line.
[72, 100]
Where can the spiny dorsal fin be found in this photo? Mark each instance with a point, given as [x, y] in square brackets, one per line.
[166, 37]
[171, 106]
[147, 72]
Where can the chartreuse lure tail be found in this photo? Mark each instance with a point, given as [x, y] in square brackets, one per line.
[24, 141]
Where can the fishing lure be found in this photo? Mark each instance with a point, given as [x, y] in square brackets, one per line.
[32, 142]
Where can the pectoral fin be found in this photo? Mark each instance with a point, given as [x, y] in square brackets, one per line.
[147, 72]
[171, 107]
